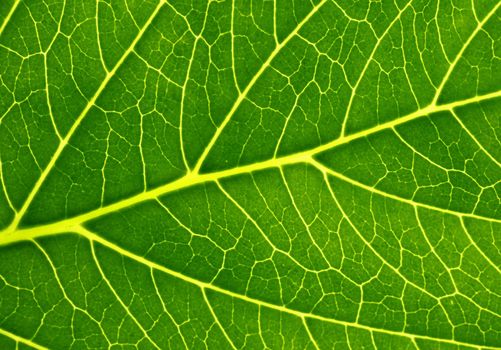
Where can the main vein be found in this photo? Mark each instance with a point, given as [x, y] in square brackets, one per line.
[195, 177]
[14, 234]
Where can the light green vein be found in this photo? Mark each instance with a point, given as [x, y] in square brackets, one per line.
[245, 92]
[76, 124]
[91, 236]
[9, 15]
[125, 307]
[374, 190]
[216, 319]
[63, 291]
[21, 340]
[366, 66]
[13, 234]
[461, 52]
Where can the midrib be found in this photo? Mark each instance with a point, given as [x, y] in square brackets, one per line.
[194, 177]
[13, 235]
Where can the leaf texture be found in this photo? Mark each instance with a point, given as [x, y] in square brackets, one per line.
[287, 174]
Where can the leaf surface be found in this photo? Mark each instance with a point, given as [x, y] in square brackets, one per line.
[232, 174]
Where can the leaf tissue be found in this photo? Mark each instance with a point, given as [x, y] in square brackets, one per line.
[237, 174]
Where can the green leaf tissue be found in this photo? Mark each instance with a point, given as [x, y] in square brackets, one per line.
[250, 174]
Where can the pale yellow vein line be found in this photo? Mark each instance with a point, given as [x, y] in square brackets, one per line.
[198, 38]
[475, 139]
[326, 171]
[260, 327]
[216, 319]
[394, 269]
[244, 93]
[182, 102]
[474, 10]
[369, 60]
[98, 39]
[496, 267]
[372, 338]
[232, 32]
[432, 248]
[22, 340]
[91, 236]
[369, 245]
[286, 124]
[9, 16]
[49, 104]
[63, 291]
[14, 103]
[303, 221]
[90, 104]
[120, 301]
[4, 187]
[263, 234]
[461, 52]
[166, 310]
[347, 337]
[429, 159]
[312, 339]
[413, 340]
[439, 33]
[340, 176]
[426, 158]
[141, 153]
[8, 236]
[409, 117]
[182, 225]
[11, 234]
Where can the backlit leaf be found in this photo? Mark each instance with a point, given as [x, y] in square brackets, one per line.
[288, 174]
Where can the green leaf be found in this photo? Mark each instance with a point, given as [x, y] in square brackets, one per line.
[250, 174]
